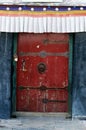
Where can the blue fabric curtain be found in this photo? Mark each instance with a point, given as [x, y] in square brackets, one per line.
[79, 76]
[5, 74]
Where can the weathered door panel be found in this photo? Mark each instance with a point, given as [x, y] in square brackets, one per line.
[55, 75]
[57, 101]
[42, 72]
[30, 100]
[43, 42]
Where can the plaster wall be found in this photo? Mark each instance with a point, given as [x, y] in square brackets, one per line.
[64, 3]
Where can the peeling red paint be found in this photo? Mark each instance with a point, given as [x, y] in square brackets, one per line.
[30, 95]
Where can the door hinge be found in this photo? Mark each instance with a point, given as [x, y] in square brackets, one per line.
[57, 101]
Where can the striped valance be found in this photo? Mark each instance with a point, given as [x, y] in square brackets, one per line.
[42, 19]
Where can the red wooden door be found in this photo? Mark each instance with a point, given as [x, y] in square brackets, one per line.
[42, 72]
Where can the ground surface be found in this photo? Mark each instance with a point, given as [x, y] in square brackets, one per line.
[42, 123]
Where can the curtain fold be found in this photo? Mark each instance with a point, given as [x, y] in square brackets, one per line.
[55, 24]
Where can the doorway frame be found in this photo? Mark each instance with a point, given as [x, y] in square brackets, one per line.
[14, 67]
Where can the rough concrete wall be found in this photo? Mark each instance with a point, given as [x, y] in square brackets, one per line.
[5, 74]
[79, 76]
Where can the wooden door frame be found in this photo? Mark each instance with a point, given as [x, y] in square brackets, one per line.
[14, 67]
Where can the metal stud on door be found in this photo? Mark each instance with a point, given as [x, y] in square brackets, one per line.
[42, 72]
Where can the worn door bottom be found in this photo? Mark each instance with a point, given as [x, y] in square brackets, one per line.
[27, 114]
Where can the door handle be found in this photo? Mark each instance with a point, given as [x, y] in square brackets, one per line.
[41, 68]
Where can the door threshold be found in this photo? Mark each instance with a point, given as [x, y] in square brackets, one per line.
[27, 114]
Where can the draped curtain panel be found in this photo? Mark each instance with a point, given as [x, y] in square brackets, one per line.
[79, 76]
[5, 74]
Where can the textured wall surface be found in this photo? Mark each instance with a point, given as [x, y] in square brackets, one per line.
[79, 76]
[5, 74]
[74, 2]
[65, 2]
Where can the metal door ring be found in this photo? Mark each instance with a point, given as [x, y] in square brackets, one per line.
[41, 68]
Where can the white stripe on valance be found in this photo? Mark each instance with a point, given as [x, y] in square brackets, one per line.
[43, 24]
